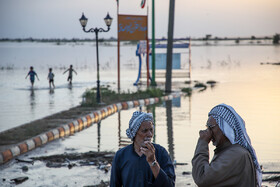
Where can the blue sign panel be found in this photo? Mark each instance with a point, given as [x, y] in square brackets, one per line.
[161, 61]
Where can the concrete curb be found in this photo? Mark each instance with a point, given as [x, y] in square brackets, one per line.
[77, 126]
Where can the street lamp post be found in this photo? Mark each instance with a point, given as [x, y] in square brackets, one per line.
[108, 21]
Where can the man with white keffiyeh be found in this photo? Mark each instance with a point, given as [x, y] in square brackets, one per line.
[142, 163]
[234, 162]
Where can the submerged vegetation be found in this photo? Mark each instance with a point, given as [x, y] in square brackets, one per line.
[188, 91]
[200, 85]
[109, 96]
[211, 82]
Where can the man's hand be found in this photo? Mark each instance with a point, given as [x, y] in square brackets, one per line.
[149, 151]
[205, 135]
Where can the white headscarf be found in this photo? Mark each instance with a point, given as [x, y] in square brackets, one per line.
[135, 122]
[233, 127]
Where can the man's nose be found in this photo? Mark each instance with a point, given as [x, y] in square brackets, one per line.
[150, 133]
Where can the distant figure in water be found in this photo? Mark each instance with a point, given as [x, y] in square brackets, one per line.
[50, 78]
[70, 75]
[32, 75]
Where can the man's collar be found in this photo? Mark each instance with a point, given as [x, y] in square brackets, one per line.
[222, 147]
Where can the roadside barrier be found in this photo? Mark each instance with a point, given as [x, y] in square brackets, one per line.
[77, 126]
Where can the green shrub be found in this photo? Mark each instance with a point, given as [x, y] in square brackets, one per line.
[109, 96]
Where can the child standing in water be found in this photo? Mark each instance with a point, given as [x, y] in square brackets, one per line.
[32, 75]
[50, 78]
[70, 75]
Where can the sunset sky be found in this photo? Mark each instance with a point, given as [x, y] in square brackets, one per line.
[60, 18]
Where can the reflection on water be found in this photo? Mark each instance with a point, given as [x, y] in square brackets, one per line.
[70, 86]
[32, 98]
[32, 101]
[154, 115]
[170, 128]
[51, 91]
[119, 128]
[98, 136]
[51, 98]
[123, 139]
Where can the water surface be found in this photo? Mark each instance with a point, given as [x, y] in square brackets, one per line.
[252, 89]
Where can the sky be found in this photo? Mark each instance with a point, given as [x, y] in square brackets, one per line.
[193, 18]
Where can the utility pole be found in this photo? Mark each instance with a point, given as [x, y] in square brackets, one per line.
[168, 76]
[153, 45]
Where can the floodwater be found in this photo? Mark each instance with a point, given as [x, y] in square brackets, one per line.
[251, 88]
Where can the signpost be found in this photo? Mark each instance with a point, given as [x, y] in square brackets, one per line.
[132, 28]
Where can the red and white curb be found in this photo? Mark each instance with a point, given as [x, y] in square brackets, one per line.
[77, 126]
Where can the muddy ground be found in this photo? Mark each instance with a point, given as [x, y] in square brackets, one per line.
[22, 170]
[101, 161]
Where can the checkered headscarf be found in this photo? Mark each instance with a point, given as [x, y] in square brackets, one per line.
[233, 127]
[137, 118]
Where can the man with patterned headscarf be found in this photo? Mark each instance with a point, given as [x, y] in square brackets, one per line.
[142, 163]
[234, 162]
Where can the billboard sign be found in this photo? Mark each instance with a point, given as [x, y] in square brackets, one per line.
[131, 27]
